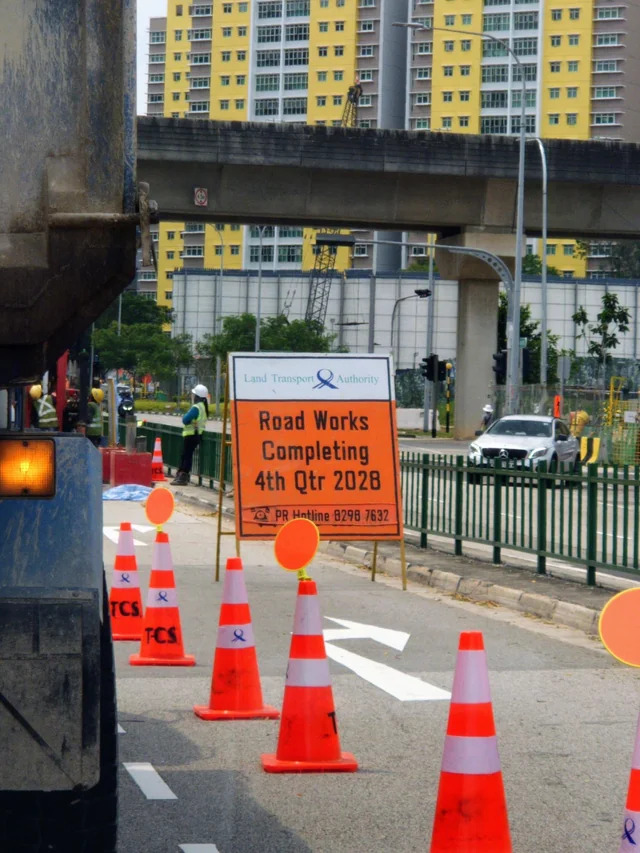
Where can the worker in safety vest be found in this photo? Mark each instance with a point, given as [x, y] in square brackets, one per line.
[194, 425]
[46, 416]
[95, 426]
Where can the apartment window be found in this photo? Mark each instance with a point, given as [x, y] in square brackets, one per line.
[365, 50]
[239, 103]
[295, 81]
[156, 99]
[175, 115]
[367, 76]
[366, 27]
[177, 35]
[267, 82]
[494, 100]
[201, 35]
[554, 67]
[491, 23]
[157, 38]
[567, 249]
[360, 251]
[605, 66]
[604, 92]
[525, 21]
[494, 124]
[168, 294]
[492, 48]
[422, 74]
[243, 8]
[269, 34]
[365, 122]
[294, 106]
[339, 3]
[242, 32]
[572, 118]
[321, 101]
[179, 10]
[604, 118]
[323, 26]
[551, 248]
[268, 232]
[226, 8]
[297, 8]
[423, 124]
[572, 92]
[269, 10]
[199, 107]
[573, 65]
[449, 20]
[424, 48]
[447, 70]
[175, 96]
[338, 75]
[289, 254]
[554, 118]
[204, 58]
[609, 13]
[199, 11]
[224, 81]
[466, 20]
[574, 40]
[530, 73]
[241, 55]
[556, 14]
[556, 41]
[448, 46]
[337, 100]
[574, 14]
[296, 56]
[193, 252]
[465, 95]
[367, 4]
[226, 32]
[529, 99]
[607, 40]
[267, 254]
[525, 47]
[422, 99]
[463, 121]
[266, 107]
[159, 78]
[554, 93]
[235, 249]
[176, 77]
[446, 122]
[194, 227]
[169, 277]
[465, 70]
[218, 250]
[447, 97]
[267, 58]
[465, 44]
[156, 57]
[297, 32]
[322, 76]
[338, 50]
[177, 57]
[324, 4]
[339, 26]
[418, 251]
[289, 231]
[323, 51]
[365, 101]
[225, 56]
[495, 73]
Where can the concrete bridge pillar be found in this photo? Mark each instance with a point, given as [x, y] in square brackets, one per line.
[477, 327]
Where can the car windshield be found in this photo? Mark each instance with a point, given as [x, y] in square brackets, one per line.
[512, 426]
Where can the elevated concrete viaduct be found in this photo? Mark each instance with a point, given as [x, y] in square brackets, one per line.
[462, 187]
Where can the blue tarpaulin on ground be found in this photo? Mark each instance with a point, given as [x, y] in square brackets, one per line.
[127, 492]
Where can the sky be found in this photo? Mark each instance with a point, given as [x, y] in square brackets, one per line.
[146, 9]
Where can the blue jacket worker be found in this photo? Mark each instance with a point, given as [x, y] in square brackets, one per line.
[194, 425]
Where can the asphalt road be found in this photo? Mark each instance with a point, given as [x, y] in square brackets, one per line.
[565, 715]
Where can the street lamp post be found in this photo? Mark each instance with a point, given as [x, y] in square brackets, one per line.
[543, 277]
[218, 295]
[513, 319]
[259, 308]
[420, 293]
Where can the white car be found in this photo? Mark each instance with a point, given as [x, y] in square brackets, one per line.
[525, 440]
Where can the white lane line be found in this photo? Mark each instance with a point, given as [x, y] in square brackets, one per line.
[121, 731]
[149, 781]
[112, 534]
[405, 687]
[199, 848]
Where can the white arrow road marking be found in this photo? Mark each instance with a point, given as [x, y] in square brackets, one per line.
[359, 631]
[149, 781]
[112, 533]
[405, 687]
[199, 848]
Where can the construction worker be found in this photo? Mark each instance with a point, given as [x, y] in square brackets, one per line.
[95, 426]
[46, 416]
[577, 422]
[194, 425]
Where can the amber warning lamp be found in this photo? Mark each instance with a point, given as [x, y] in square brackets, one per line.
[27, 468]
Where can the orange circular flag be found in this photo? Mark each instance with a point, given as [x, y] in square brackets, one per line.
[296, 544]
[619, 626]
[159, 506]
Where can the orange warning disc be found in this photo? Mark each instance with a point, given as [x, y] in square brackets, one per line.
[296, 544]
[619, 626]
[159, 506]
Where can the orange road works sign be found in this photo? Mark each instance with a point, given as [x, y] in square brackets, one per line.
[314, 436]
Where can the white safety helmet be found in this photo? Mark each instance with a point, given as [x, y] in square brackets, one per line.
[200, 391]
[487, 408]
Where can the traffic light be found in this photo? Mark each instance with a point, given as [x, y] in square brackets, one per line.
[500, 366]
[429, 367]
[527, 367]
[442, 371]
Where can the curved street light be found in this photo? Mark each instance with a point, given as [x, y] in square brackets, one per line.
[419, 293]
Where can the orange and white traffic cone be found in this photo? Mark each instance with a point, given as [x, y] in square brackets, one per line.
[161, 643]
[125, 603]
[308, 740]
[471, 810]
[235, 684]
[157, 465]
[631, 821]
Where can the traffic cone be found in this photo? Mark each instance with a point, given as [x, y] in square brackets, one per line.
[161, 643]
[308, 740]
[471, 811]
[157, 465]
[125, 603]
[631, 821]
[235, 684]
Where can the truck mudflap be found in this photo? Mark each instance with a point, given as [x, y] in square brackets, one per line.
[49, 689]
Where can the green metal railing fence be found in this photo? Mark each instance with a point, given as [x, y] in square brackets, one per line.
[589, 517]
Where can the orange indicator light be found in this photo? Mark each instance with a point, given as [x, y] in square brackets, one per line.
[27, 468]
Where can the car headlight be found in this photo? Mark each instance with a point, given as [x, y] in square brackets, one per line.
[538, 452]
[474, 448]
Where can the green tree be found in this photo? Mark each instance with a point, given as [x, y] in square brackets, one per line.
[625, 259]
[135, 309]
[529, 330]
[602, 336]
[143, 348]
[532, 265]
[277, 334]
